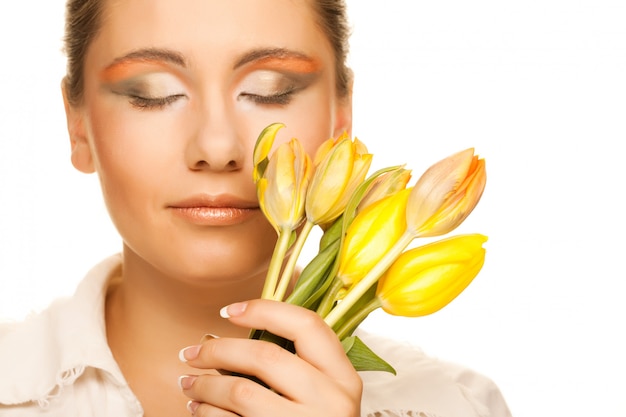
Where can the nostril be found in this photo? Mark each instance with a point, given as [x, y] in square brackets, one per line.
[231, 165]
[201, 164]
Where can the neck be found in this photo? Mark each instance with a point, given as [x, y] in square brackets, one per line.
[150, 317]
[148, 306]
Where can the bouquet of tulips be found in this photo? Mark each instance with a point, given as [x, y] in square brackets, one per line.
[368, 222]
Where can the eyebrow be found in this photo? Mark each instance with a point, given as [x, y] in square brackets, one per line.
[277, 55]
[150, 54]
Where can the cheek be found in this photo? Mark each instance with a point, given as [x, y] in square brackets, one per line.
[310, 119]
[134, 154]
[129, 140]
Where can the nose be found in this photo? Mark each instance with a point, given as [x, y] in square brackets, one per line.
[215, 144]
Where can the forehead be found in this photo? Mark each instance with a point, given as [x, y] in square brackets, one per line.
[209, 29]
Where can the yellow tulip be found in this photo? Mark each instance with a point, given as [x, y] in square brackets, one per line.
[385, 185]
[340, 167]
[370, 236]
[446, 194]
[262, 148]
[283, 186]
[425, 279]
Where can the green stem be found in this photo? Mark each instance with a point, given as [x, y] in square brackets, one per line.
[349, 325]
[287, 274]
[276, 263]
[328, 301]
[370, 279]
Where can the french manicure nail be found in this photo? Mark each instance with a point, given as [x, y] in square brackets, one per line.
[189, 353]
[192, 406]
[233, 310]
[186, 381]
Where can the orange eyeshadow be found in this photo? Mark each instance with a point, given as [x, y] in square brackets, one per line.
[125, 69]
[289, 64]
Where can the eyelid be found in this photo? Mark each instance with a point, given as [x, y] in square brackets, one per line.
[151, 85]
[151, 90]
[265, 82]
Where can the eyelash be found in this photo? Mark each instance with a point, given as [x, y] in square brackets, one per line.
[153, 103]
[157, 103]
[282, 98]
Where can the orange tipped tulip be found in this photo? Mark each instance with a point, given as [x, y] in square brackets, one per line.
[425, 279]
[446, 194]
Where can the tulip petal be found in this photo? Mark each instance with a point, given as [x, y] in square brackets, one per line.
[427, 278]
[262, 148]
[370, 236]
[338, 172]
[283, 186]
[384, 183]
[446, 194]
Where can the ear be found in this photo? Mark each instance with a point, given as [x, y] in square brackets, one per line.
[343, 116]
[82, 158]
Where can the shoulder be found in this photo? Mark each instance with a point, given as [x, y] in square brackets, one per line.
[51, 349]
[27, 346]
[425, 385]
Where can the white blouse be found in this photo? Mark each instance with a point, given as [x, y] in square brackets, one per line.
[58, 364]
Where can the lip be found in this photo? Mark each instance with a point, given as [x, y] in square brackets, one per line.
[208, 210]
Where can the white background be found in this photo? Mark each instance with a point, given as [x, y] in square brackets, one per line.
[537, 87]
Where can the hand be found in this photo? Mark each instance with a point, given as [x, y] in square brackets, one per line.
[318, 381]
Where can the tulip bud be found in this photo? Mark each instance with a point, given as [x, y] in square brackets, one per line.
[446, 194]
[370, 236]
[385, 185]
[262, 149]
[283, 186]
[425, 279]
[340, 167]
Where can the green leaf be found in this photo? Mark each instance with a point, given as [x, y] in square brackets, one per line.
[332, 234]
[313, 275]
[363, 358]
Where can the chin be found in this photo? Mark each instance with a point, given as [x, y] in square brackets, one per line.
[225, 262]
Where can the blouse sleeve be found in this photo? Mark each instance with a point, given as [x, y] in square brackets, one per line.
[425, 386]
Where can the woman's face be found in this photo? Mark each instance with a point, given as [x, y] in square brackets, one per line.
[176, 93]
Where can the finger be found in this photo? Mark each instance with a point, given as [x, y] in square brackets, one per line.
[198, 409]
[314, 341]
[235, 395]
[280, 369]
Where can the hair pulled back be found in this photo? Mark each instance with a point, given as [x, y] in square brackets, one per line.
[84, 17]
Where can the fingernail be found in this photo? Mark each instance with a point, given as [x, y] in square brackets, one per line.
[233, 310]
[186, 381]
[189, 353]
[192, 406]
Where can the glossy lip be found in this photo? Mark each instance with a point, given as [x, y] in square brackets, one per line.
[207, 210]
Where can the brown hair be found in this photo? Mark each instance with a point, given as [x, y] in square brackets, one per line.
[84, 17]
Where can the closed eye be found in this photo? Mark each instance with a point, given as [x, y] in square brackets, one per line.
[281, 98]
[153, 103]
